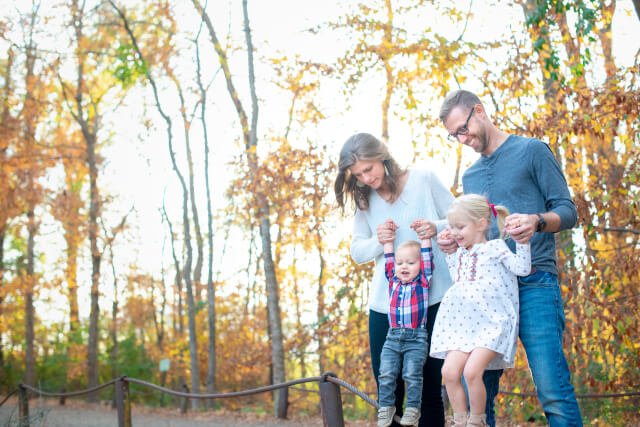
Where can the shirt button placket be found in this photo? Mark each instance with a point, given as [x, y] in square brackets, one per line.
[489, 180]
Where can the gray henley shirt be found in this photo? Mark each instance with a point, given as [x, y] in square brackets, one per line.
[524, 176]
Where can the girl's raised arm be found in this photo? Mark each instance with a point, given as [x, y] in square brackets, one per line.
[518, 263]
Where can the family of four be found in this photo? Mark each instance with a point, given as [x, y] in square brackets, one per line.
[455, 310]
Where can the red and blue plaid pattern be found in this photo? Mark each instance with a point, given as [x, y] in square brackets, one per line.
[408, 302]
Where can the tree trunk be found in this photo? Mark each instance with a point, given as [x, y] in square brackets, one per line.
[3, 175]
[29, 139]
[300, 341]
[197, 272]
[114, 324]
[96, 257]
[178, 276]
[89, 132]
[193, 345]
[3, 230]
[71, 273]
[2, 234]
[321, 305]
[387, 42]
[250, 139]
[273, 300]
[30, 363]
[211, 290]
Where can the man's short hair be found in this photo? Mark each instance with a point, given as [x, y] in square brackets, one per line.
[456, 98]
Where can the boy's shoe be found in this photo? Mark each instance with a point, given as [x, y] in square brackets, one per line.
[411, 417]
[385, 416]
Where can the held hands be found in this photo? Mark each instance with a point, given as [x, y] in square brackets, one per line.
[386, 231]
[424, 229]
[520, 227]
[446, 242]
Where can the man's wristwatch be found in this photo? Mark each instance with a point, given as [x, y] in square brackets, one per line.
[541, 223]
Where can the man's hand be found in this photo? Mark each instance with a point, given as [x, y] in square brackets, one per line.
[446, 242]
[521, 226]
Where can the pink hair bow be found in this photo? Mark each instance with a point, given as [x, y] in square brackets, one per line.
[493, 208]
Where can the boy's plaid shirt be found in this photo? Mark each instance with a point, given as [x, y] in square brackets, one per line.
[408, 302]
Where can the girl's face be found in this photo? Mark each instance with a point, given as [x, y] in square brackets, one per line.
[467, 232]
[369, 172]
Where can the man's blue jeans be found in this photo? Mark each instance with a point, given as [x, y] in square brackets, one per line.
[408, 348]
[541, 328]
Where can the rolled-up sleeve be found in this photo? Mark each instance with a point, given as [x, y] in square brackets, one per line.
[553, 185]
[364, 244]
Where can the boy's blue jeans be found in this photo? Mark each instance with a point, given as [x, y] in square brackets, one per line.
[541, 328]
[408, 348]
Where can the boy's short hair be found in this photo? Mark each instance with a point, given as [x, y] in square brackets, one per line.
[409, 244]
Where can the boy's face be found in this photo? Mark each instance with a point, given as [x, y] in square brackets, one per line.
[407, 263]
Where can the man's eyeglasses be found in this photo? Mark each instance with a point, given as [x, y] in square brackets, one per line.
[463, 130]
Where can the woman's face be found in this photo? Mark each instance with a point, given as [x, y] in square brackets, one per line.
[369, 172]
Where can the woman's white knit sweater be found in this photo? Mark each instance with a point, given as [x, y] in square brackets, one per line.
[423, 197]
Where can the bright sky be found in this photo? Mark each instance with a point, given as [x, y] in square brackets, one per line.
[138, 171]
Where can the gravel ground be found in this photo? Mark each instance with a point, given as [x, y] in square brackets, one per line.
[80, 414]
[48, 413]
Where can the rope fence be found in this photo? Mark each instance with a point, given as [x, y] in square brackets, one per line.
[329, 388]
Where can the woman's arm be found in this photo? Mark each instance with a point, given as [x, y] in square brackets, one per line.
[441, 197]
[364, 244]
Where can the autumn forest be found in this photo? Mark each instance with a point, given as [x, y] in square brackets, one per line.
[167, 168]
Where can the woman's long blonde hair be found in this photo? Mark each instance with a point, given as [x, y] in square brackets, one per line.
[363, 146]
[477, 207]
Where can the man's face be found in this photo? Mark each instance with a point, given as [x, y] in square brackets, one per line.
[464, 123]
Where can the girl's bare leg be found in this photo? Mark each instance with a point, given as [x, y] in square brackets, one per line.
[454, 365]
[475, 365]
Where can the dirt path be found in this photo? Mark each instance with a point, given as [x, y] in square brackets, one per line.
[80, 414]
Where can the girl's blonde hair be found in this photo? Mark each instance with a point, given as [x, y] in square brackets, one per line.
[477, 207]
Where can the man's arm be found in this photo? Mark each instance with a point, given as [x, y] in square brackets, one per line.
[561, 213]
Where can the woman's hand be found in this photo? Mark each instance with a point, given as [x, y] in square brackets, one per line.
[446, 242]
[386, 232]
[425, 229]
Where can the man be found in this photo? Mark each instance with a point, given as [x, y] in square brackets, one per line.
[523, 175]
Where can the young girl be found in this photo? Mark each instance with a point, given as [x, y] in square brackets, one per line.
[477, 325]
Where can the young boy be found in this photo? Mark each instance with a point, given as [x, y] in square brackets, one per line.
[409, 273]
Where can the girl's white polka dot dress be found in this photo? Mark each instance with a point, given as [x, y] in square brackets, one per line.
[481, 308]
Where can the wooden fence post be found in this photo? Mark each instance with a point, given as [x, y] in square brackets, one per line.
[185, 400]
[283, 402]
[63, 398]
[23, 406]
[123, 402]
[331, 400]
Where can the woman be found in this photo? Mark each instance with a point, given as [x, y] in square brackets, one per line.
[417, 202]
